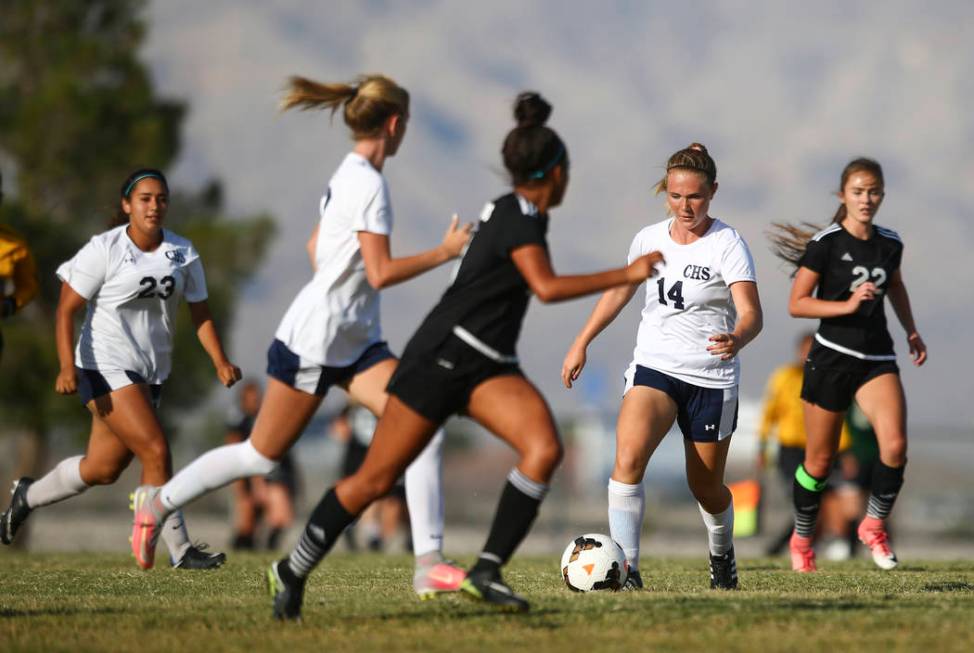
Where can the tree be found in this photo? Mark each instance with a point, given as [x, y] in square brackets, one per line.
[77, 114]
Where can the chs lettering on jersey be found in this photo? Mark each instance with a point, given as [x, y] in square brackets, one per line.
[689, 301]
[843, 263]
[132, 301]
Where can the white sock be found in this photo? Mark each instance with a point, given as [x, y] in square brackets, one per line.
[175, 535]
[62, 482]
[213, 470]
[424, 497]
[626, 506]
[720, 529]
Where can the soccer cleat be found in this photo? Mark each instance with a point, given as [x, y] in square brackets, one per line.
[428, 581]
[196, 557]
[488, 586]
[146, 525]
[802, 554]
[287, 597]
[634, 582]
[872, 533]
[723, 571]
[18, 511]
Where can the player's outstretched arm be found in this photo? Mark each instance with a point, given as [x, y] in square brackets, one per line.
[606, 310]
[383, 270]
[900, 300]
[69, 303]
[227, 372]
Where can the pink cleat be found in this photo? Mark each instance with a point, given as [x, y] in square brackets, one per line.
[146, 525]
[802, 554]
[872, 533]
[440, 577]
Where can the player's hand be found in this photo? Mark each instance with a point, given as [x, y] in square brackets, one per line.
[228, 373]
[456, 237]
[67, 381]
[863, 293]
[644, 267]
[571, 369]
[726, 345]
[918, 350]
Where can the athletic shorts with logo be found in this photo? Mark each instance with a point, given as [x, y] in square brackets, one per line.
[703, 414]
[93, 384]
[438, 384]
[832, 378]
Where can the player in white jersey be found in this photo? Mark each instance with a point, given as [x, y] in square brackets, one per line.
[701, 310]
[331, 335]
[132, 279]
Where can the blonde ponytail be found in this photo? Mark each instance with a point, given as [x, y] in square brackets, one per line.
[367, 104]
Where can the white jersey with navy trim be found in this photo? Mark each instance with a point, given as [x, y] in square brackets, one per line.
[335, 317]
[132, 300]
[688, 301]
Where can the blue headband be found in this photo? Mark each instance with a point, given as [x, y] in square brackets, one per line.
[539, 174]
[144, 175]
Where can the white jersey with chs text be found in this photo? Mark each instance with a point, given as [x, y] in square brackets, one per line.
[132, 300]
[688, 301]
[335, 317]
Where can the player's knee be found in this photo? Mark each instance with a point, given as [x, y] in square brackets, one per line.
[104, 474]
[894, 453]
[155, 452]
[545, 454]
[708, 492]
[628, 464]
[818, 465]
[256, 463]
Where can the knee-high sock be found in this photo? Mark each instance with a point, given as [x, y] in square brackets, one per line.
[627, 504]
[325, 526]
[213, 470]
[424, 496]
[62, 482]
[516, 511]
[885, 487]
[720, 529]
[807, 497]
[175, 535]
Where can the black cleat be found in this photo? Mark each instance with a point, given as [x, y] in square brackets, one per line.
[487, 585]
[634, 583]
[196, 557]
[14, 517]
[723, 571]
[287, 596]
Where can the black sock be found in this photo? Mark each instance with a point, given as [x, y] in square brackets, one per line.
[516, 511]
[885, 487]
[807, 498]
[324, 527]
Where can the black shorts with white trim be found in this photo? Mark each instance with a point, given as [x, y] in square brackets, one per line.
[831, 378]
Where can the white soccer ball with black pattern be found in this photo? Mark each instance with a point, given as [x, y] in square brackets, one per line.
[594, 562]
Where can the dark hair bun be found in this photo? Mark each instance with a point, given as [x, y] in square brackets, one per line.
[531, 110]
[699, 147]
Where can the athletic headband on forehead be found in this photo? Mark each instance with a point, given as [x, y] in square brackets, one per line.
[144, 175]
[539, 174]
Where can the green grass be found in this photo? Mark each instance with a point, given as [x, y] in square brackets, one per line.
[101, 602]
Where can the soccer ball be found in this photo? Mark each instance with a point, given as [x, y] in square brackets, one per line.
[594, 562]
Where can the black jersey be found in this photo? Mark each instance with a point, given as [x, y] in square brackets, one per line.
[843, 263]
[486, 303]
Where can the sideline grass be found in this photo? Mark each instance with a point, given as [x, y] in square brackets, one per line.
[100, 602]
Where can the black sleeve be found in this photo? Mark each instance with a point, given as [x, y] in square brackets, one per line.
[522, 230]
[897, 259]
[816, 256]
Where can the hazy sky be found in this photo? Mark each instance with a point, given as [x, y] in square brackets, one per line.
[782, 93]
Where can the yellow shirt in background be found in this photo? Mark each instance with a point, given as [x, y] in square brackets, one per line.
[783, 409]
[17, 268]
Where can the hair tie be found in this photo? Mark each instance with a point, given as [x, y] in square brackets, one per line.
[144, 175]
[539, 174]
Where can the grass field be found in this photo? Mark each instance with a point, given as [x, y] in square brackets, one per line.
[101, 602]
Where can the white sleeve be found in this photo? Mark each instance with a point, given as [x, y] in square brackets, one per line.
[195, 289]
[375, 215]
[635, 249]
[736, 264]
[85, 273]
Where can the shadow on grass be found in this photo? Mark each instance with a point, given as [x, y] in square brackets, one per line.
[948, 586]
[10, 613]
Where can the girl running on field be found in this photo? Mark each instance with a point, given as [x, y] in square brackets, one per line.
[702, 310]
[462, 360]
[844, 273]
[330, 335]
[132, 278]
